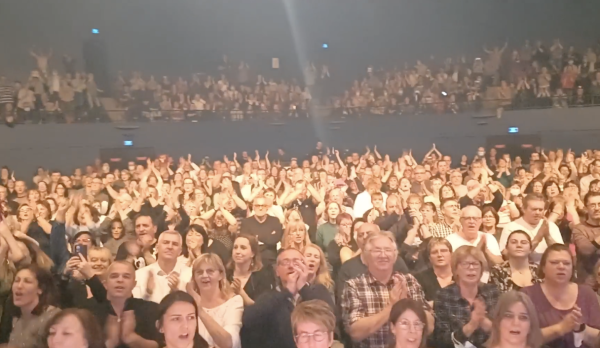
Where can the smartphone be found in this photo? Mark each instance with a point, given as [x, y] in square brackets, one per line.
[80, 249]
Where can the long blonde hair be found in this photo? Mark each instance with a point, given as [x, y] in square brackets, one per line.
[322, 276]
[215, 261]
[287, 241]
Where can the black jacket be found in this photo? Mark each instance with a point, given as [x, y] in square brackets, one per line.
[266, 324]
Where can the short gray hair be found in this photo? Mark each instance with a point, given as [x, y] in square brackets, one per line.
[378, 235]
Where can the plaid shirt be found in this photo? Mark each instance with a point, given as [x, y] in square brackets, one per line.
[453, 312]
[365, 296]
[440, 230]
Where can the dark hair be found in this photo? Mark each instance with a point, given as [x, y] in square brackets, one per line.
[343, 216]
[91, 328]
[548, 184]
[93, 212]
[47, 206]
[205, 239]
[448, 186]
[556, 247]
[66, 194]
[408, 304]
[565, 166]
[590, 195]
[490, 209]
[167, 302]
[445, 200]
[46, 284]
[256, 264]
[140, 215]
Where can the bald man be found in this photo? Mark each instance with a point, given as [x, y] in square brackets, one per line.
[470, 221]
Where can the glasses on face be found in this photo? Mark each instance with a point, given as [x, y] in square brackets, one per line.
[259, 206]
[406, 325]
[471, 218]
[209, 272]
[287, 262]
[384, 251]
[317, 336]
[469, 264]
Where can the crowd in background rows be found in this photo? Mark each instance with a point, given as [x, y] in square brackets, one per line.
[533, 75]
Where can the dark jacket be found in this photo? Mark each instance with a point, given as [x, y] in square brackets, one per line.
[266, 324]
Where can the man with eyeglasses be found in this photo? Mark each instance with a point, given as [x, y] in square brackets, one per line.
[469, 234]
[267, 230]
[367, 300]
[451, 213]
[266, 324]
[313, 324]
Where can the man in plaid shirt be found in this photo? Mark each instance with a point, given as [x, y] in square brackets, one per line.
[368, 299]
[451, 212]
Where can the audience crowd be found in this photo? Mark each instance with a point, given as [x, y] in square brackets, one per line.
[533, 75]
[331, 250]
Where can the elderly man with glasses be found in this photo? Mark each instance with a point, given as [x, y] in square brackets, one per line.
[469, 234]
[368, 299]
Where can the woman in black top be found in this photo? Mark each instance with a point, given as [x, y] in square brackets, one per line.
[439, 275]
[343, 246]
[197, 242]
[246, 273]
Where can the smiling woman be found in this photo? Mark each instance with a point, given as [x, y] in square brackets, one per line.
[219, 309]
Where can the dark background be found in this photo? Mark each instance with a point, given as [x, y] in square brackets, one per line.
[182, 36]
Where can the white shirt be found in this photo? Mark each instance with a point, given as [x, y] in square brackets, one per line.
[161, 285]
[229, 316]
[363, 203]
[520, 224]
[491, 244]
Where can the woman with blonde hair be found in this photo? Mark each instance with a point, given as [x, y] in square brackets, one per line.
[316, 264]
[462, 307]
[515, 323]
[295, 236]
[219, 309]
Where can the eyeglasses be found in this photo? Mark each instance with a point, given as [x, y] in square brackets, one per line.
[406, 325]
[209, 272]
[260, 206]
[317, 336]
[287, 262]
[386, 251]
[475, 218]
[467, 264]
